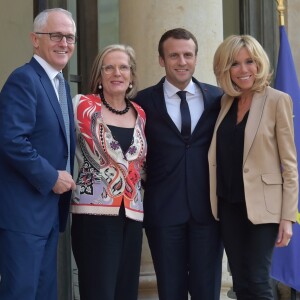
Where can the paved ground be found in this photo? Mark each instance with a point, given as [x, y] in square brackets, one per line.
[226, 292]
[152, 295]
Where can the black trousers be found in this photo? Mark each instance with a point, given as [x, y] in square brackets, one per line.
[187, 259]
[249, 249]
[107, 251]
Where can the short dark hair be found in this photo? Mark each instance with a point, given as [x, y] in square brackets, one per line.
[176, 33]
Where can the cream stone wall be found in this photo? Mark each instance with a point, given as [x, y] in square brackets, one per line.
[143, 22]
[15, 24]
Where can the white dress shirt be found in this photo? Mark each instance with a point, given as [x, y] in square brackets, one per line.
[194, 99]
[51, 72]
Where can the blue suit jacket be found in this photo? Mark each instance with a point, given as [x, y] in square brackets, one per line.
[33, 147]
[177, 185]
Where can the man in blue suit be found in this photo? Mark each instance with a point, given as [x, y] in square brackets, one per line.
[36, 152]
[183, 236]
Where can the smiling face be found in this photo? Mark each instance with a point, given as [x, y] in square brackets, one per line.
[57, 54]
[116, 83]
[179, 61]
[243, 70]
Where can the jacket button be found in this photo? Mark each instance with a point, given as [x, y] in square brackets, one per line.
[246, 170]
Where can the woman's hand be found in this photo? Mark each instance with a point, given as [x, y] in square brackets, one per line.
[285, 233]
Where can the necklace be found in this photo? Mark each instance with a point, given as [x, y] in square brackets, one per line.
[115, 111]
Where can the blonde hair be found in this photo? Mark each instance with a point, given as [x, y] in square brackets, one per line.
[225, 56]
[98, 63]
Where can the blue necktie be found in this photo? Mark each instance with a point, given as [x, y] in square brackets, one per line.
[62, 94]
[185, 116]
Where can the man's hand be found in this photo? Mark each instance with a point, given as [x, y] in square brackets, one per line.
[64, 183]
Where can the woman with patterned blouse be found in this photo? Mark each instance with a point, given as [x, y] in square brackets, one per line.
[107, 205]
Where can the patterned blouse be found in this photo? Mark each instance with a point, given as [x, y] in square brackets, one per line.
[106, 175]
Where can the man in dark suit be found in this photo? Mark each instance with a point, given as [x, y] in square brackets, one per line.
[36, 159]
[183, 237]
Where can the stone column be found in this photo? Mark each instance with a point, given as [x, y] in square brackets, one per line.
[143, 22]
[141, 25]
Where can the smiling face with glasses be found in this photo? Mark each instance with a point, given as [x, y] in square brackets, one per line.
[116, 74]
[55, 40]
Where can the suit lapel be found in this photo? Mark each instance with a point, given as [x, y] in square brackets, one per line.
[160, 105]
[253, 122]
[207, 106]
[50, 92]
[204, 92]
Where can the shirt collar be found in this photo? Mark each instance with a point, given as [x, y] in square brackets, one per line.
[171, 89]
[51, 72]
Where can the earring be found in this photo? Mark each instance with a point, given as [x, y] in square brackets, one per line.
[130, 86]
[100, 86]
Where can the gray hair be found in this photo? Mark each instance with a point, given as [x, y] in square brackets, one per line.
[41, 19]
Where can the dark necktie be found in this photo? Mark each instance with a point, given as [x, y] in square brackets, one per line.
[65, 112]
[185, 115]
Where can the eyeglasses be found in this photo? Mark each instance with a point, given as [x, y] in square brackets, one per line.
[109, 69]
[57, 37]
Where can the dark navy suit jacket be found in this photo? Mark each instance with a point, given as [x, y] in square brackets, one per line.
[177, 185]
[33, 147]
